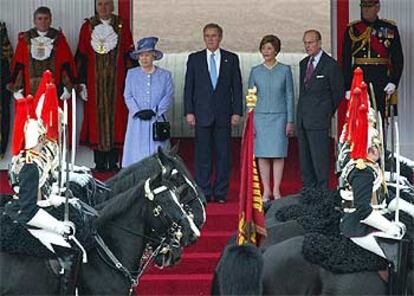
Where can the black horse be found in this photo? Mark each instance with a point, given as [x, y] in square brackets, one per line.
[173, 169]
[129, 221]
[285, 270]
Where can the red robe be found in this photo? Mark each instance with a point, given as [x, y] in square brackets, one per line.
[105, 112]
[26, 72]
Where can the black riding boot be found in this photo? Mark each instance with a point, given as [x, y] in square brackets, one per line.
[70, 261]
[396, 252]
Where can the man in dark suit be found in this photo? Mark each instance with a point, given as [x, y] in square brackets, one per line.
[213, 104]
[321, 90]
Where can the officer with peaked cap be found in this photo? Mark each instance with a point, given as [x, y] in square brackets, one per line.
[374, 45]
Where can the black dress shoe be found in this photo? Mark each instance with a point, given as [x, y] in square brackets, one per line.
[113, 167]
[209, 198]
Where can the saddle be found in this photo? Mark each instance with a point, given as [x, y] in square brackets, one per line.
[16, 239]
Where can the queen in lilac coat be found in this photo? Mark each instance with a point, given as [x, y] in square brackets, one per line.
[149, 93]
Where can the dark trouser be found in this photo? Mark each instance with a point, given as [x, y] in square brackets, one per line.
[314, 157]
[106, 159]
[213, 141]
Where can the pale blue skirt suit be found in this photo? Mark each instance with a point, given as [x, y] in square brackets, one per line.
[274, 109]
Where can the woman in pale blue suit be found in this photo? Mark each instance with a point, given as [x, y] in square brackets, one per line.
[273, 115]
[148, 94]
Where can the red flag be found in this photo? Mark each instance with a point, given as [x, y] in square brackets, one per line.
[251, 216]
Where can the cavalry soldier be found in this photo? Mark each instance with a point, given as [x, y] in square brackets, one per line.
[33, 177]
[363, 192]
[374, 45]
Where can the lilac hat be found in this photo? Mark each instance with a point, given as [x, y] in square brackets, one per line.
[144, 45]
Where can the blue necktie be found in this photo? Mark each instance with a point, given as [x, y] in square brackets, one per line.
[213, 71]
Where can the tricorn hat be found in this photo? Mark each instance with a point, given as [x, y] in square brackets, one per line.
[144, 45]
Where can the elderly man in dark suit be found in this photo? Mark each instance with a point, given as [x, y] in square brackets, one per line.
[213, 104]
[321, 90]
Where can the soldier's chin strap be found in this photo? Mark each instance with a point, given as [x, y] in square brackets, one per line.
[397, 252]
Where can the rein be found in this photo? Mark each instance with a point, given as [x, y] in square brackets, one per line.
[113, 261]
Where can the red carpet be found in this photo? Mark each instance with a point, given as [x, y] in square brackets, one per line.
[193, 275]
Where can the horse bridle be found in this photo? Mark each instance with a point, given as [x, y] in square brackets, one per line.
[166, 242]
[187, 182]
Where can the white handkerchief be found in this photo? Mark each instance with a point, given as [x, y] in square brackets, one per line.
[320, 76]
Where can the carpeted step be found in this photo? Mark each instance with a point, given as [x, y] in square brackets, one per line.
[210, 241]
[191, 263]
[177, 284]
[221, 222]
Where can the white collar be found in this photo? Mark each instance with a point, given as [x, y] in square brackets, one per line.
[106, 22]
[43, 34]
[317, 57]
[216, 52]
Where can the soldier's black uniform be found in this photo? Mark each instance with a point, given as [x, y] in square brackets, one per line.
[376, 48]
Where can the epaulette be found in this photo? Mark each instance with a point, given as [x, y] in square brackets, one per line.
[360, 164]
[390, 22]
[353, 23]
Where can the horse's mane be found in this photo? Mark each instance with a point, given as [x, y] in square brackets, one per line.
[121, 203]
[178, 163]
[131, 175]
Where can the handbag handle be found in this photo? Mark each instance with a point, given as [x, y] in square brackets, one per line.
[156, 113]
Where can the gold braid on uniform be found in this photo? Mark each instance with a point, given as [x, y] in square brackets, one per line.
[364, 38]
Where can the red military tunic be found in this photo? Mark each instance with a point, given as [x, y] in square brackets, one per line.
[103, 69]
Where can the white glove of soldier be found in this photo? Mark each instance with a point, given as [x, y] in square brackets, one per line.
[66, 94]
[53, 200]
[390, 88]
[76, 168]
[82, 169]
[64, 228]
[56, 200]
[348, 95]
[83, 92]
[18, 94]
[81, 179]
[397, 229]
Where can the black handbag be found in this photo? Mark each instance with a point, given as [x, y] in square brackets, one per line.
[161, 130]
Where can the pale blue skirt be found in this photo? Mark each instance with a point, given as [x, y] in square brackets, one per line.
[270, 135]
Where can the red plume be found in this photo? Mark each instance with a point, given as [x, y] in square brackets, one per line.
[353, 105]
[50, 113]
[46, 79]
[353, 113]
[24, 109]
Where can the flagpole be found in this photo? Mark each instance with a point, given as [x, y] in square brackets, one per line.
[251, 226]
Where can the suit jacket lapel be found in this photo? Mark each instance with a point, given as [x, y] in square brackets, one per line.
[223, 61]
[319, 66]
[304, 66]
[204, 67]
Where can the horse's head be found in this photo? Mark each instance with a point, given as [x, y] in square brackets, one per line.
[189, 194]
[170, 223]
